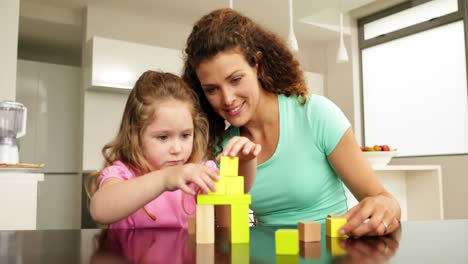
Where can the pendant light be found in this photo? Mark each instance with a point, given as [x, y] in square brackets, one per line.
[342, 55]
[292, 41]
[231, 4]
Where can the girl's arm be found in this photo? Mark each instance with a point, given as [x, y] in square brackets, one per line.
[117, 199]
[375, 203]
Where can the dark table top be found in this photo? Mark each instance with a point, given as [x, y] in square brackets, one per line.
[415, 242]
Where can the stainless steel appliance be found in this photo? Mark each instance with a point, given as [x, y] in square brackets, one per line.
[12, 126]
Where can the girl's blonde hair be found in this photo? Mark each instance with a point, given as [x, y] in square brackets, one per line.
[152, 87]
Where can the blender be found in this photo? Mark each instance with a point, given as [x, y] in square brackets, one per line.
[12, 127]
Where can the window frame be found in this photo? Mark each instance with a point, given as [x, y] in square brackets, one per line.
[460, 14]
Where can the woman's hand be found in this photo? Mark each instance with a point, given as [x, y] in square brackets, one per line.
[373, 216]
[241, 147]
[371, 249]
[179, 177]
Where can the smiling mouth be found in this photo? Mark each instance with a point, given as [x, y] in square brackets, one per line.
[235, 111]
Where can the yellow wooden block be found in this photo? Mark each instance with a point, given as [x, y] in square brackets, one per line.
[220, 186]
[234, 185]
[224, 199]
[240, 253]
[229, 166]
[287, 259]
[239, 231]
[333, 246]
[333, 226]
[287, 242]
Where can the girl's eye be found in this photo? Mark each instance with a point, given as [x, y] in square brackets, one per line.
[187, 135]
[162, 138]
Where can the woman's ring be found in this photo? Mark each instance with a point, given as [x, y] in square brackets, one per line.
[386, 227]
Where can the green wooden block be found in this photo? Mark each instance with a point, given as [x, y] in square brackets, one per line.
[229, 166]
[234, 185]
[224, 199]
[239, 232]
[287, 242]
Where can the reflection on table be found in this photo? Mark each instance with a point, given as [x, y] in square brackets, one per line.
[176, 246]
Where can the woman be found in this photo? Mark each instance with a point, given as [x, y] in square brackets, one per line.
[246, 75]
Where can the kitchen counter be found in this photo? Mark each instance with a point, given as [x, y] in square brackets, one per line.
[416, 242]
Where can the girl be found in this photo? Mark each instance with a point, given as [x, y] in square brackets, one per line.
[156, 157]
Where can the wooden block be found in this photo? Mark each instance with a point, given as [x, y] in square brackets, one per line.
[234, 185]
[205, 224]
[229, 166]
[192, 220]
[310, 250]
[333, 246]
[223, 215]
[287, 242]
[333, 225]
[309, 231]
[240, 253]
[205, 254]
[220, 186]
[224, 199]
[240, 232]
[287, 259]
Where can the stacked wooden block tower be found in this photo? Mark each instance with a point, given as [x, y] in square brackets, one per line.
[229, 191]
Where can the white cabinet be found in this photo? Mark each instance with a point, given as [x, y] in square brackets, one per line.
[18, 193]
[418, 189]
[52, 95]
[116, 64]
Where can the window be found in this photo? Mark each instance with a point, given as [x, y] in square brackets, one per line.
[414, 78]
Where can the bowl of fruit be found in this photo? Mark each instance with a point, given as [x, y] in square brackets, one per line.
[379, 155]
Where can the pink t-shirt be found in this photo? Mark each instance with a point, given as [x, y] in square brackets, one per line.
[168, 208]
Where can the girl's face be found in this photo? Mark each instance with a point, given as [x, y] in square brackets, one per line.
[231, 86]
[168, 140]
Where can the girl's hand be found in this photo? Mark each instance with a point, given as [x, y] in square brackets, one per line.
[371, 217]
[241, 147]
[180, 177]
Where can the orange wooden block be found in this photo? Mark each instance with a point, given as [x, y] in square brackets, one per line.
[192, 221]
[309, 231]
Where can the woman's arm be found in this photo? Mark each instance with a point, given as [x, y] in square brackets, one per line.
[375, 203]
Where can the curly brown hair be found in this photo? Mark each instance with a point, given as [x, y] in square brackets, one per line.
[150, 89]
[227, 30]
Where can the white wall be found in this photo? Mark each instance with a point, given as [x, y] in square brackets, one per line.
[9, 17]
[103, 110]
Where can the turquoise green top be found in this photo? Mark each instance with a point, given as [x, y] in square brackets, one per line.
[297, 183]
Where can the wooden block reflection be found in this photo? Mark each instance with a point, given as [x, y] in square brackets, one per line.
[333, 246]
[310, 250]
[205, 253]
[287, 259]
[240, 253]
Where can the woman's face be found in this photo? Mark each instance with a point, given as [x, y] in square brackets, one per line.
[231, 86]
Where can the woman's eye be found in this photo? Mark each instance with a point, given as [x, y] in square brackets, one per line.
[236, 80]
[210, 90]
